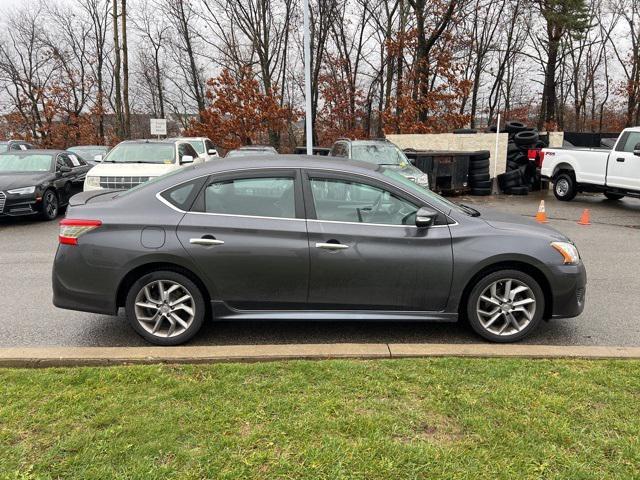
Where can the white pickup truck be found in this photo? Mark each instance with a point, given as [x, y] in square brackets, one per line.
[616, 173]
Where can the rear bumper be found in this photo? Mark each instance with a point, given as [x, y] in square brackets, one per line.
[568, 289]
[76, 285]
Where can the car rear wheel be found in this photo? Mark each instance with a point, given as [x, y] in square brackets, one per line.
[165, 307]
[505, 306]
[564, 187]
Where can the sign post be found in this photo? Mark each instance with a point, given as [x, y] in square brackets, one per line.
[158, 126]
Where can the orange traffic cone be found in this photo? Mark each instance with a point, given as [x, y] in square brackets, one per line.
[584, 218]
[541, 216]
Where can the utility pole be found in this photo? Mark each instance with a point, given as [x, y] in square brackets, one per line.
[307, 78]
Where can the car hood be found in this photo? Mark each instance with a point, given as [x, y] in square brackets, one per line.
[131, 169]
[19, 180]
[407, 170]
[518, 223]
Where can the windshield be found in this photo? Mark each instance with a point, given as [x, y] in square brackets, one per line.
[198, 146]
[414, 187]
[380, 153]
[25, 163]
[142, 153]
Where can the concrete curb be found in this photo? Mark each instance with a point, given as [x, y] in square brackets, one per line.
[97, 356]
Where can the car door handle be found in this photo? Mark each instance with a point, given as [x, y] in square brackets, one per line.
[332, 246]
[620, 159]
[208, 242]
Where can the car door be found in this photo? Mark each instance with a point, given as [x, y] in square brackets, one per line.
[623, 170]
[187, 149]
[365, 250]
[247, 232]
[79, 169]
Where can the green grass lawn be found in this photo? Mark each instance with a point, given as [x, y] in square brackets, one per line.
[385, 419]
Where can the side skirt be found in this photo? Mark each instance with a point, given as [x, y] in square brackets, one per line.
[223, 312]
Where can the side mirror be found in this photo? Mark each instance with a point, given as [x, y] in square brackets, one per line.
[62, 169]
[186, 159]
[212, 151]
[425, 217]
[98, 158]
[636, 150]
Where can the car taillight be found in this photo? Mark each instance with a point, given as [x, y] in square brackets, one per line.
[71, 229]
[536, 155]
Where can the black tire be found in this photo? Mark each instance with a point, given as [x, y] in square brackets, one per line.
[613, 196]
[512, 148]
[526, 138]
[197, 306]
[479, 164]
[514, 127]
[485, 184]
[479, 177]
[535, 292]
[480, 191]
[510, 179]
[50, 205]
[481, 155]
[522, 190]
[465, 130]
[511, 165]
[564, 187]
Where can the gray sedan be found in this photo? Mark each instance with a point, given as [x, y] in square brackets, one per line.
[307, 238]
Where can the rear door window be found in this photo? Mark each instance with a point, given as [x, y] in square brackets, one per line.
[262, 197]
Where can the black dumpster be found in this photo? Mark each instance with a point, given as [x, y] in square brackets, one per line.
[448, 170]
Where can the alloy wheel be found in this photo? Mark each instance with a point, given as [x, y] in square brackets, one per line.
[506, 307]
[51, 204]
[164, 308]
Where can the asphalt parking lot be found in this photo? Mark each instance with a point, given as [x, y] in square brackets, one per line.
[609, 247]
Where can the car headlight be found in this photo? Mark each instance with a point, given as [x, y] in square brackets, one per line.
[568, 251]
[92, 181]
[22, 191]
[423, 180]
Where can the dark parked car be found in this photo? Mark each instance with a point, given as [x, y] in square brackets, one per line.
[307, 238]
[252, 150]
[39, 181]
[11, 145]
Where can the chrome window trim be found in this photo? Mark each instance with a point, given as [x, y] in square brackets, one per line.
[170, 205]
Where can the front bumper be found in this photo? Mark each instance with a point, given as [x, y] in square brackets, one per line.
[568, 290]
[20, 205]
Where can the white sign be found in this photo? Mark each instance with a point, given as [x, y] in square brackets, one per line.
[158, 126]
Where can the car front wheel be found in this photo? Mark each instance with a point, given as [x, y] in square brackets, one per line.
[50, 205]
[505, 306]
[165, 307]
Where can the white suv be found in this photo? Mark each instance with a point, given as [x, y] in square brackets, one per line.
[133, 162]
[202, 145]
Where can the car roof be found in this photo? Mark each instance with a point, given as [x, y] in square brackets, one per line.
[36, 151]
[168, 141]
[88, 146]
[175, 139]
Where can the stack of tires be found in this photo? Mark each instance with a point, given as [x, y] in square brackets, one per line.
[521, 176]
[479, 176]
